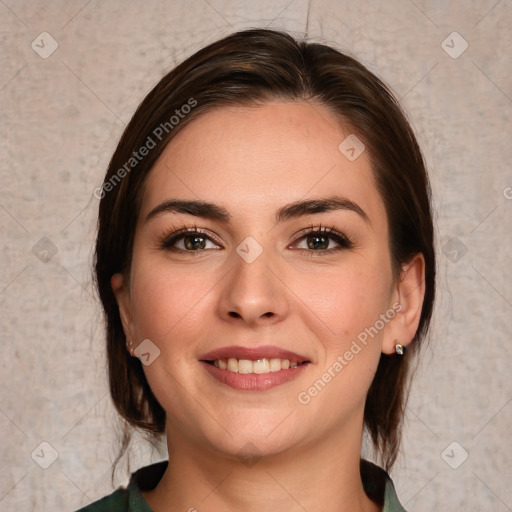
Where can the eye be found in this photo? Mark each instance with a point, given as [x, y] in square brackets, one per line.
[319, 239]
[188, 239]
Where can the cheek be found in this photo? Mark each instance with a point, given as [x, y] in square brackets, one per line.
[342, 307]
[346, 301]
[166, 301]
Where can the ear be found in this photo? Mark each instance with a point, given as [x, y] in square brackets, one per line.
[121, 292]
[408, 298]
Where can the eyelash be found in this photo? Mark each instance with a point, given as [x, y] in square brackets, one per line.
[168, 240]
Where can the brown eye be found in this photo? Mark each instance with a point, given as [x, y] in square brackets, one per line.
[193, 242]
[188, 240]
[318, 241]
[321, 240]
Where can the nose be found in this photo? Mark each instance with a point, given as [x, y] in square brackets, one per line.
[252, 293]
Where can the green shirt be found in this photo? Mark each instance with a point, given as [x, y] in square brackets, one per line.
[376, 482]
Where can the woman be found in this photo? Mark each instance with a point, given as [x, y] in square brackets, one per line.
[264, 256]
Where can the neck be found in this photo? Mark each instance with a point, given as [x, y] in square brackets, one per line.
[312, 476]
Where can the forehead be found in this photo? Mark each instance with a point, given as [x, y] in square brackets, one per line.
[248, 158]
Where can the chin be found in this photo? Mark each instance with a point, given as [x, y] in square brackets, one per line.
[250, 442]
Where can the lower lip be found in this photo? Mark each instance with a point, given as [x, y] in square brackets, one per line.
[254, 381]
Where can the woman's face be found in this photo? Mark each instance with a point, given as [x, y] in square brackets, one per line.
[253, 278]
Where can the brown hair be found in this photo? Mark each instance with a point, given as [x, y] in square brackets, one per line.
[251, 67]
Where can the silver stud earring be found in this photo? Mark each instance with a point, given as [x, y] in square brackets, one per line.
[129, 347]
[400, 349]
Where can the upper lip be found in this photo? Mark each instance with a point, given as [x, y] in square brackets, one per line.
[253, 353]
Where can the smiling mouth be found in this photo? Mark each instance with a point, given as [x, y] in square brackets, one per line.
[258, 366]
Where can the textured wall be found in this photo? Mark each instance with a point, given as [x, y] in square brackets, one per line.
[62, 114]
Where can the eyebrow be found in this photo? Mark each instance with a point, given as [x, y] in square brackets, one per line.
[296, 209]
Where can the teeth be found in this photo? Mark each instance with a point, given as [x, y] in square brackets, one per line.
[232, 365]
[245, 366]
[259, 366]
[275, 365]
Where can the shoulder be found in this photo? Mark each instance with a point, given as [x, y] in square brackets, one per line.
[130, 499]
[379, 487]
[118, 501]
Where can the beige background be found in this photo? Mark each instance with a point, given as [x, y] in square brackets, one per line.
[61, 118]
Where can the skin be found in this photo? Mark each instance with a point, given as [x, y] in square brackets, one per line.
[252, 161]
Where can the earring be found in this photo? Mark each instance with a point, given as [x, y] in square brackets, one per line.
[400, 349]
[129, 347]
